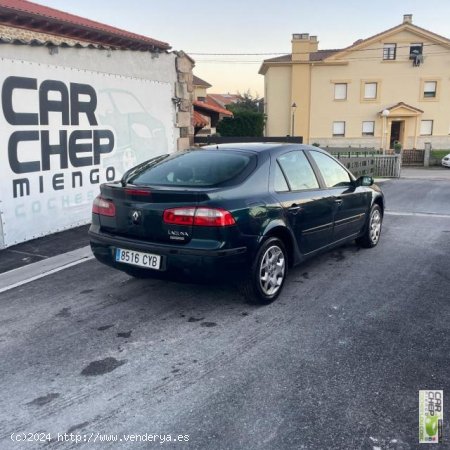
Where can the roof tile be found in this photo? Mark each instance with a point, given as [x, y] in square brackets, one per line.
[210, 106]
[24, 9]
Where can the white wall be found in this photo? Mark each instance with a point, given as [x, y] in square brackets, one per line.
[134, 92]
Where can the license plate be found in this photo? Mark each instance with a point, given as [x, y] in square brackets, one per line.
[140, 259]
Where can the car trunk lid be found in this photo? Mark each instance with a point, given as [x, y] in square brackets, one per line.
[140, 209]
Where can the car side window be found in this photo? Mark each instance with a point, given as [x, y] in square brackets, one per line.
[298, 171]
[280, 183]
[333, 174]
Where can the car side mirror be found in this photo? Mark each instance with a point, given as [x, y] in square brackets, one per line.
[365, 180]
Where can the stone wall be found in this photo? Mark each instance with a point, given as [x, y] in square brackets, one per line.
[9, 32]
[136, 63]
[184, 91]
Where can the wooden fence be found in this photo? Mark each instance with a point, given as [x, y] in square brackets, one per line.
[352, 150]
[358, 165]
[413, 157]
[388, 166]
[375, 165]
[214, 139]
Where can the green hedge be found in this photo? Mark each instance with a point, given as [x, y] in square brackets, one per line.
[244, 123]
[439, 154]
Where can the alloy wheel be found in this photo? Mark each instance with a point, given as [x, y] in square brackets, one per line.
[272, 270]
[375, 226]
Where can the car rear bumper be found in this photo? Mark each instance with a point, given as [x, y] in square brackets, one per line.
[176, 261]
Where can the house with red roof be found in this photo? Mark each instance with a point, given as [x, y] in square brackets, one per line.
[223, 100]
[207, 111]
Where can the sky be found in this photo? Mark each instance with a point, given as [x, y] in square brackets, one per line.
[251, 26]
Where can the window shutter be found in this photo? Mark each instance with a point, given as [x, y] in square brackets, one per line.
[368, 127]
[429, 89]
[370, 90]
[426, 127]
[340, 91]
[338, 128]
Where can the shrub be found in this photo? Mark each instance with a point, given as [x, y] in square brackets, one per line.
[243, 124]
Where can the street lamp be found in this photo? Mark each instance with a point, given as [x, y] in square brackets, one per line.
[293, 107]
[385, 113]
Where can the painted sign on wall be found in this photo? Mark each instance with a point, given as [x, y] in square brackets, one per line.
[63, 132]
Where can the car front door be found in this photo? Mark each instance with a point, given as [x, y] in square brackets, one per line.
[351, 203]
[308, 208]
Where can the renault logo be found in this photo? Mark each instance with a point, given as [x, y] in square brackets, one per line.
[136, 216]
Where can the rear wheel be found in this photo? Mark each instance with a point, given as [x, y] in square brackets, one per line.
[372, 230]
[268, 273]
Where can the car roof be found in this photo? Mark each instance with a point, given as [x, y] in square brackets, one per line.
[260, 147]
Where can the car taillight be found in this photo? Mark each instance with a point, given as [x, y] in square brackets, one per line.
[204, 217]
[179, 216]
[103, 207]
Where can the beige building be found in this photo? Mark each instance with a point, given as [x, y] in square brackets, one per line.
[394, 86]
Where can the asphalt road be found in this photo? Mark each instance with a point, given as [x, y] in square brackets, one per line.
[335, 363]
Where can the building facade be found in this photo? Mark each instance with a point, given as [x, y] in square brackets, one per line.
[394, 86]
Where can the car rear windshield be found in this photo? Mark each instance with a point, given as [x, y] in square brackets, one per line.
[202, 168]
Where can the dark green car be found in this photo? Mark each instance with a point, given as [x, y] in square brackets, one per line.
[237, 211]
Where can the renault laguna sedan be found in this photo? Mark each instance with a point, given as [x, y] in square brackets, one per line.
[246, 212]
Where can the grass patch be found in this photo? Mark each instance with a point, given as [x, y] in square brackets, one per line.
[439, 154]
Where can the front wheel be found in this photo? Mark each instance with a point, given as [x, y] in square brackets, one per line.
[268, 273]
[372, 229]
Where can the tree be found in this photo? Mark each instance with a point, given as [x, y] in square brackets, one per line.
[247, 102]
[248, 117]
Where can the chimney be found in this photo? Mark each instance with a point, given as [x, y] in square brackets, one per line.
[302, 45]
[407, 18]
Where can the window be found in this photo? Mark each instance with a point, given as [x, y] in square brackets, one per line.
[298, 171]
[370, 91]
[415, 50]
[429, 89]
[280, 183]
[426, 127]
[340, 91]
[338, 128]
[389, 51]
[368, 128]
[333, 173]
[201, 168]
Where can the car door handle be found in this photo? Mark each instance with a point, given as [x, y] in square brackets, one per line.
[338, 201]
[294, 208]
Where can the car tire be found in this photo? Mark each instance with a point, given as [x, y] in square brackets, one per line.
[268, 273]
[372, 228]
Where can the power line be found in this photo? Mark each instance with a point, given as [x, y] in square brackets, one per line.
[367, 58]
[300, 53]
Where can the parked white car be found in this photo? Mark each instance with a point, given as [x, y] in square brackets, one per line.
[446, 161]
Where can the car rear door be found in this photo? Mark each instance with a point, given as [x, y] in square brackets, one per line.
[308, 208]
[351, 203]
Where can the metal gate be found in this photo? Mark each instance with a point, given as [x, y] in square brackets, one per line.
[413, 157]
